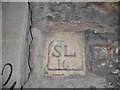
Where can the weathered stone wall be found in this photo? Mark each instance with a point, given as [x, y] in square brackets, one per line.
[93, 25]
[96, 16]
[99, 23]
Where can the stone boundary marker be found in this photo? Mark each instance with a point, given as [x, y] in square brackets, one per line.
[64, 53]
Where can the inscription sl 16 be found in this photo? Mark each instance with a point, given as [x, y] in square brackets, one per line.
[64, 52]
[60, 52]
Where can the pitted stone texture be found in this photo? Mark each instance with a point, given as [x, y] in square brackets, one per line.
[102, 56]
[64, 53]
[64, 17]
[73, 26]
[100, 13]
[86, 81]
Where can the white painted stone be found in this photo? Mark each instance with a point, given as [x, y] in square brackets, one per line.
[15, 25]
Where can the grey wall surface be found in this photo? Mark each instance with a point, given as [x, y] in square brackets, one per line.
[14, 29]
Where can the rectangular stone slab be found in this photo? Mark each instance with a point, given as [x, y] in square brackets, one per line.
[64, 53]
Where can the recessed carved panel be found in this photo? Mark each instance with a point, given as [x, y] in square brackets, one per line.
[64, 53]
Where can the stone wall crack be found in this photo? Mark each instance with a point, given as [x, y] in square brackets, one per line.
[30, 43]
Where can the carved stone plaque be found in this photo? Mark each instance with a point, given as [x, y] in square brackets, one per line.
[64, 53]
